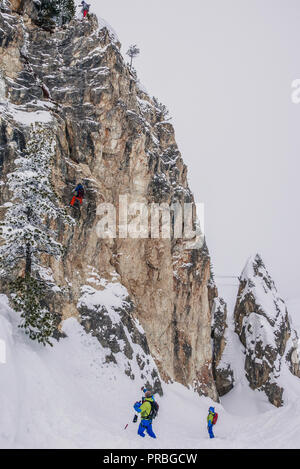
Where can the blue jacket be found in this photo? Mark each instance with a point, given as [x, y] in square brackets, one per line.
[77, 188]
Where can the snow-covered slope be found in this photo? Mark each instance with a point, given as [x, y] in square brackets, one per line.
[66, 397]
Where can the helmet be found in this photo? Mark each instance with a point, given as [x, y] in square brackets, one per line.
[211, 409]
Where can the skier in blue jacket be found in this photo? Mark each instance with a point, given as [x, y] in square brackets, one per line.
[211, 420]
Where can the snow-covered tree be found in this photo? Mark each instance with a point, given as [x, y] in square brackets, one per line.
[57, 11]
[162, 111]
[26, 233]
[28, 298]
[133, 52]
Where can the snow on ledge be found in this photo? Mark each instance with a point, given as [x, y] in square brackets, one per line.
[24, 117]
[28, 118]
[112, 297]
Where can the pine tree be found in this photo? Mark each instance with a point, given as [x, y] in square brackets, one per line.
[26, 233]
[56, 12]
[27, 295]
[67, 11]
[133, 52]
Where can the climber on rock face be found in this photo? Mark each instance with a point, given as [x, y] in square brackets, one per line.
[78, 194]
[85, 8]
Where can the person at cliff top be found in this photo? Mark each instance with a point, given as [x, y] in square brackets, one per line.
[78, 194]
[85, 8]
[211, 421]
[146, 411]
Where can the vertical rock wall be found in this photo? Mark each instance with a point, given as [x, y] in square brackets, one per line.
[112, 136]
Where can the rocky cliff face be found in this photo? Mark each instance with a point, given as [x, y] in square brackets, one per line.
[222, 370]
[145, 299]
[263, 325]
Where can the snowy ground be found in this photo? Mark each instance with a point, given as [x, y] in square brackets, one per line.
[65, 397]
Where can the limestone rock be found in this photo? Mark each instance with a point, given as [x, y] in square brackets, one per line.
[110, 134]
[263, 325]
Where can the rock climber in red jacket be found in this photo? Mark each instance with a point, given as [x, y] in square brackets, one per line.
[78, 194]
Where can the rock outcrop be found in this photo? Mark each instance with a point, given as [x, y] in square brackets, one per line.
[222, 370]
[112, 136]
[263, 325]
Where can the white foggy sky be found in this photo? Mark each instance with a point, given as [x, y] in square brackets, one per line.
[224, 69]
